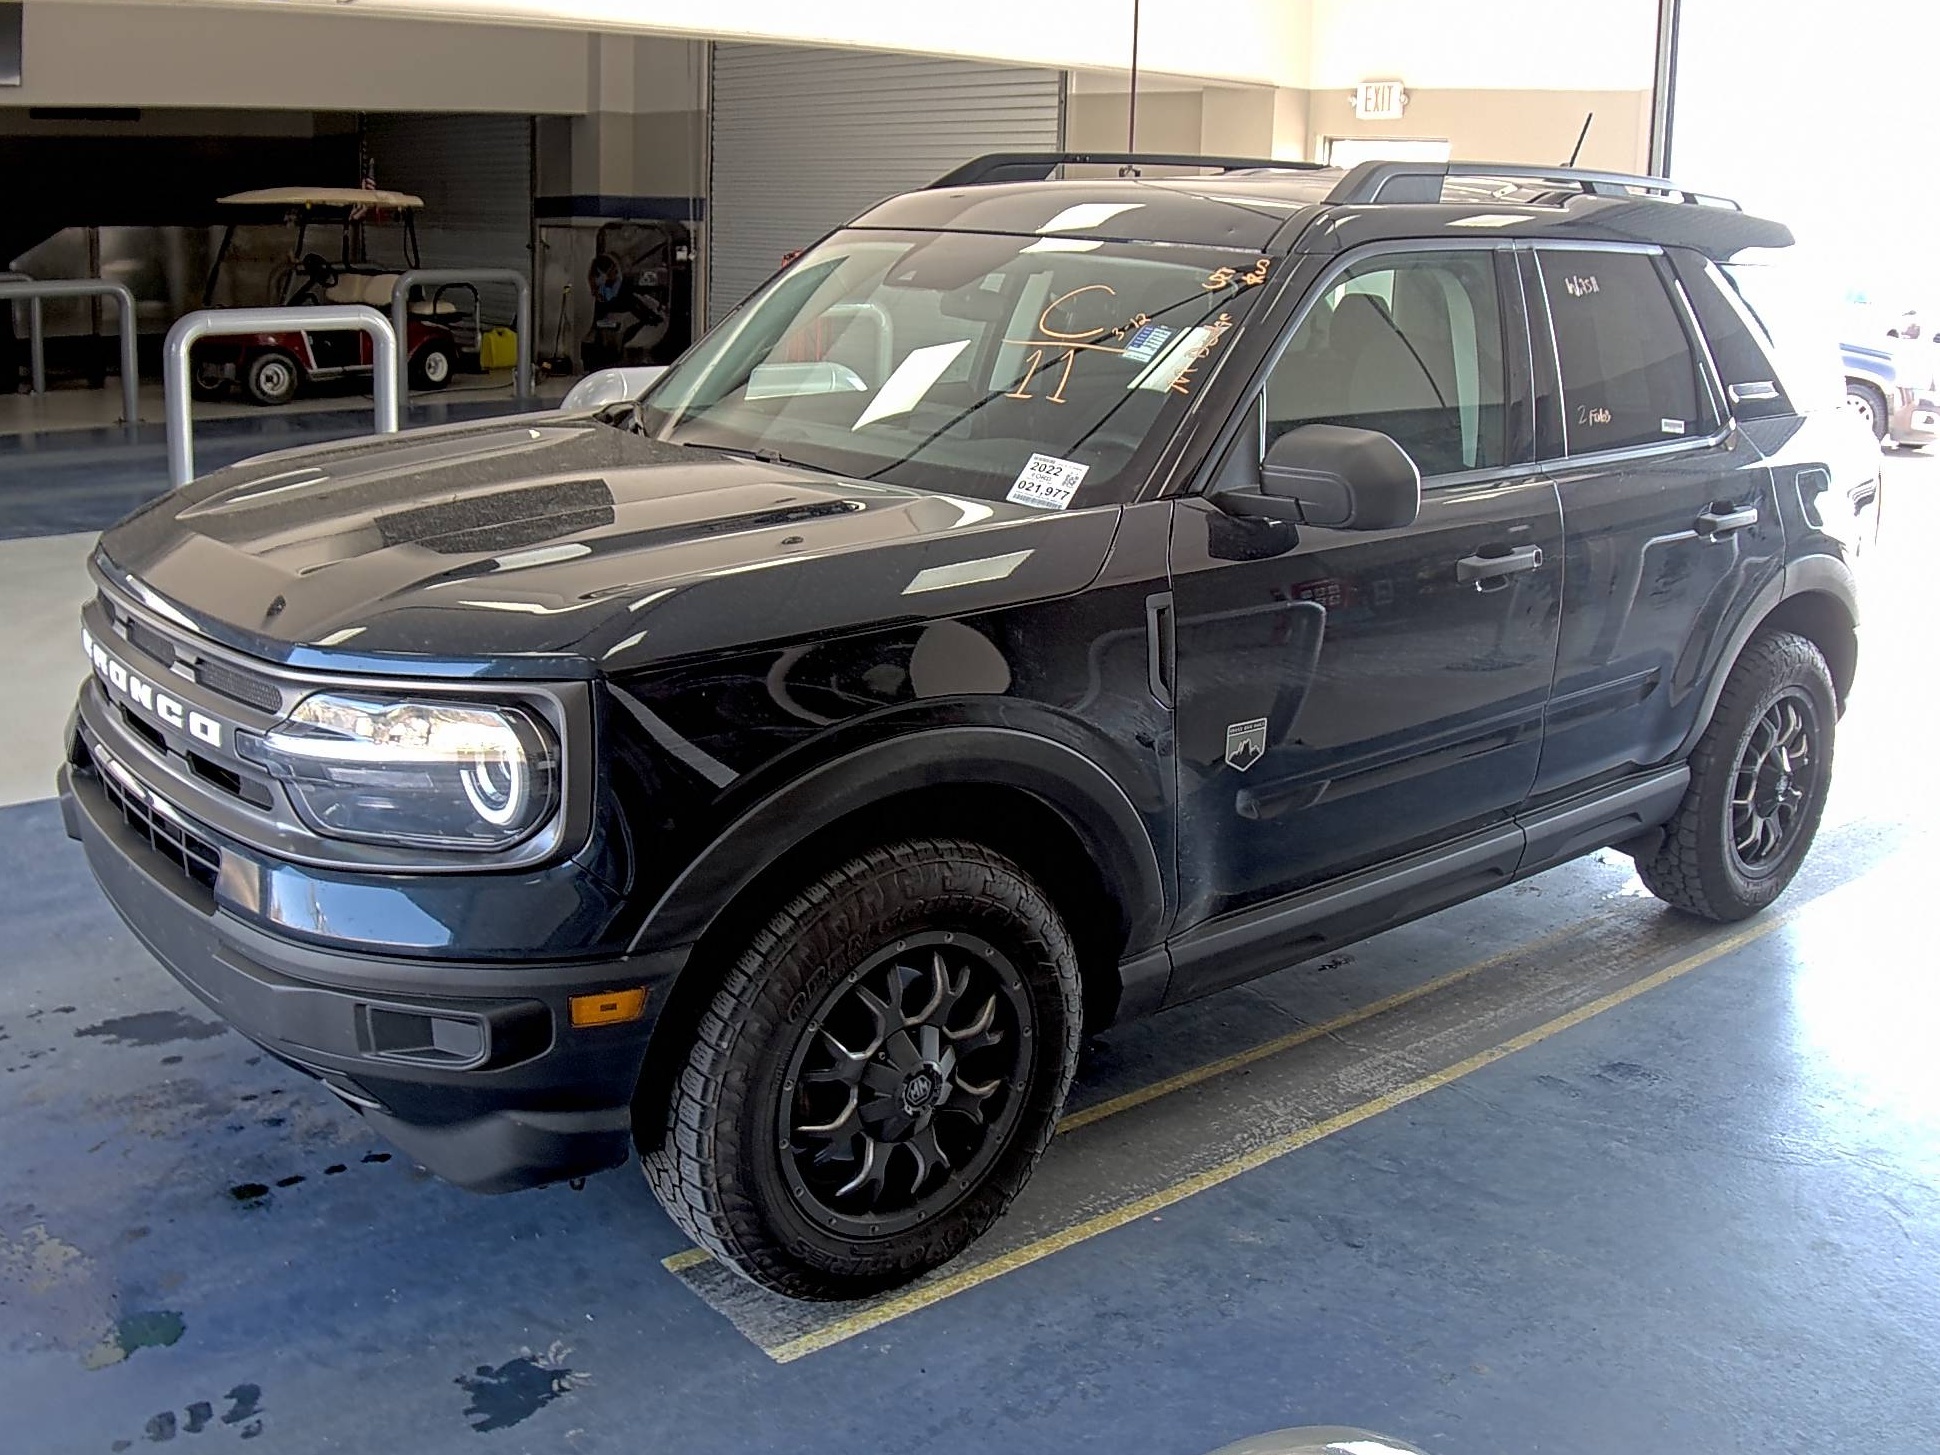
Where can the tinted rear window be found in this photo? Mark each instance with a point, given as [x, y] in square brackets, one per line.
[1629, 376]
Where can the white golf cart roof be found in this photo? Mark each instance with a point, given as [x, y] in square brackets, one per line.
[321, 197]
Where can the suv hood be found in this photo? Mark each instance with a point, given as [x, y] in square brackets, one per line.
[556, 544]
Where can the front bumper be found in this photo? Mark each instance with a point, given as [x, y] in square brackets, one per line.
[474, 1070]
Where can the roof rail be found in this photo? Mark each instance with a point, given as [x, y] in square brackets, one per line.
[1036, 166]
[1422, 182]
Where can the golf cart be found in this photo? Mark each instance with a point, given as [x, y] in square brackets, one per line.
[268, 256]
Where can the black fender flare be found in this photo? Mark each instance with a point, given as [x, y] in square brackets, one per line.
[1064, 779]
[1815, 574]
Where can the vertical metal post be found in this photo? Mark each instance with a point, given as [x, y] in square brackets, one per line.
[1663, 92]
[36, 345]
[522, 322]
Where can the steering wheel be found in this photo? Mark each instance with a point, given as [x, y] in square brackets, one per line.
[317, 274]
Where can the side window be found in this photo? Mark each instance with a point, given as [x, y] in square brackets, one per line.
[1739, 343]
[1629, 376]
[1407, 344]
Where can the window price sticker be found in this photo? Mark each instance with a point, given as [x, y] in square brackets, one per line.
[1047, 483]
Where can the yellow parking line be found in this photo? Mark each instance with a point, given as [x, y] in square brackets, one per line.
[922, 1297]
[1073, 1120]
[693, 1257]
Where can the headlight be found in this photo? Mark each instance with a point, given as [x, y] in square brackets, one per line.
[441, 774]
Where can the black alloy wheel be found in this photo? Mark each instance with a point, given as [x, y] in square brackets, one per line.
[1759, 778]
[1776, 773]
[876, 1075]
[905, 1083]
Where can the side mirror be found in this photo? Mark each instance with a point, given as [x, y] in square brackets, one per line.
[1333, 476]
[610, 386]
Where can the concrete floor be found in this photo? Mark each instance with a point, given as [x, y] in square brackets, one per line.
[1554, 1171]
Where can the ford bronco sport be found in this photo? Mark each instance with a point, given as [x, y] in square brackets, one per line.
[1044, 602]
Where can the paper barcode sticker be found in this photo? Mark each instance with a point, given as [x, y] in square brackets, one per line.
[1144, 345]
[1672, 426]
[1047, 483]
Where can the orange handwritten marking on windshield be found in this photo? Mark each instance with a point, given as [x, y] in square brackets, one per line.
[1044, 318]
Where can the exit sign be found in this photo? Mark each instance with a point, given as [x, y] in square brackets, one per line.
[1380, 100]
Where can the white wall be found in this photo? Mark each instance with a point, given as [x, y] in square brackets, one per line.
[276, 56]
[1547, 45]
[1257, 41]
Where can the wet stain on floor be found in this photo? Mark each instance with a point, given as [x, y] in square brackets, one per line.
[149, 1329]
[153, 1028]
[517, 1389]
[244, 1415]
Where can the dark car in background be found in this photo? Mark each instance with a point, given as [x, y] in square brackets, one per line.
[1043, 603]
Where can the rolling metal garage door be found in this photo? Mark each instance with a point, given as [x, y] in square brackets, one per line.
[474, 173]
[805, 139]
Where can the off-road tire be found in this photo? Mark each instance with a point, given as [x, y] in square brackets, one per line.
[1694, 868]
[715, 1164]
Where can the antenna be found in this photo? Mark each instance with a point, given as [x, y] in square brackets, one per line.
[1131, 104]
[1577, 150]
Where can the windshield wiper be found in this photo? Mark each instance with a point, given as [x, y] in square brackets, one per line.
[764, 456]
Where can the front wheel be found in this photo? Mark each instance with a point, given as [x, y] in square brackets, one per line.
[878, 1074]
[1759, 780]
[432, 368]
[271, 378]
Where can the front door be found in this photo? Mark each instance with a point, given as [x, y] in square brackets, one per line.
[1672, 526]
[1345, 697]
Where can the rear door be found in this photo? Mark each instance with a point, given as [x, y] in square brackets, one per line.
[1346, 697]
[1671, 529]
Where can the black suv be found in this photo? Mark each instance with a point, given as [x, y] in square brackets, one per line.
[1042, 603]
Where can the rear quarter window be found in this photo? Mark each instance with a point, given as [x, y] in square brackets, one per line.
[1629, 375]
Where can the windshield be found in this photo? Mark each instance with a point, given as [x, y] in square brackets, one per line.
[1044, 370]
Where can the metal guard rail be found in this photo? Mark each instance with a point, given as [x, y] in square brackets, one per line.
[435, 277]
[34, 290]
[238, 322]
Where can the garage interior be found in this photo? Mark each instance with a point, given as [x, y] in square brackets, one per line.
[1556, 1170]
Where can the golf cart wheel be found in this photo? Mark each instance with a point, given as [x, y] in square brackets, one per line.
[208, 381]
[271, 378]
[876, 1075]
[432, 367]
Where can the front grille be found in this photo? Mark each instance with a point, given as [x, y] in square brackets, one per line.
[193, 855]
[150, 641]
[235, 683]
[238, 685]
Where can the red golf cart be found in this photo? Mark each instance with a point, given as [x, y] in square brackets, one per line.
[268, 256]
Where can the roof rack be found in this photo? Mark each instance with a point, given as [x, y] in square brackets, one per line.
[1422, 182]
[1036, 166]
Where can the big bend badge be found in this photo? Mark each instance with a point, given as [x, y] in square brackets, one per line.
[1245, 743]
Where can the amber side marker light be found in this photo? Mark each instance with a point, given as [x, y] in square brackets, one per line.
[610, 1009]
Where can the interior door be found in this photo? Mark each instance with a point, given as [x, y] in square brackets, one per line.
[1671, 522]
[1346, 697]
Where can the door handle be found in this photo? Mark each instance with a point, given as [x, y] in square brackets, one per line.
[1489, 570]
[1723, 519]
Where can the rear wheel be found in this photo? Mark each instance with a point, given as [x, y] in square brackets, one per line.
[1866, 401]
[271, 378]
[209, 381]
[1759, 780]
[877, 1075]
